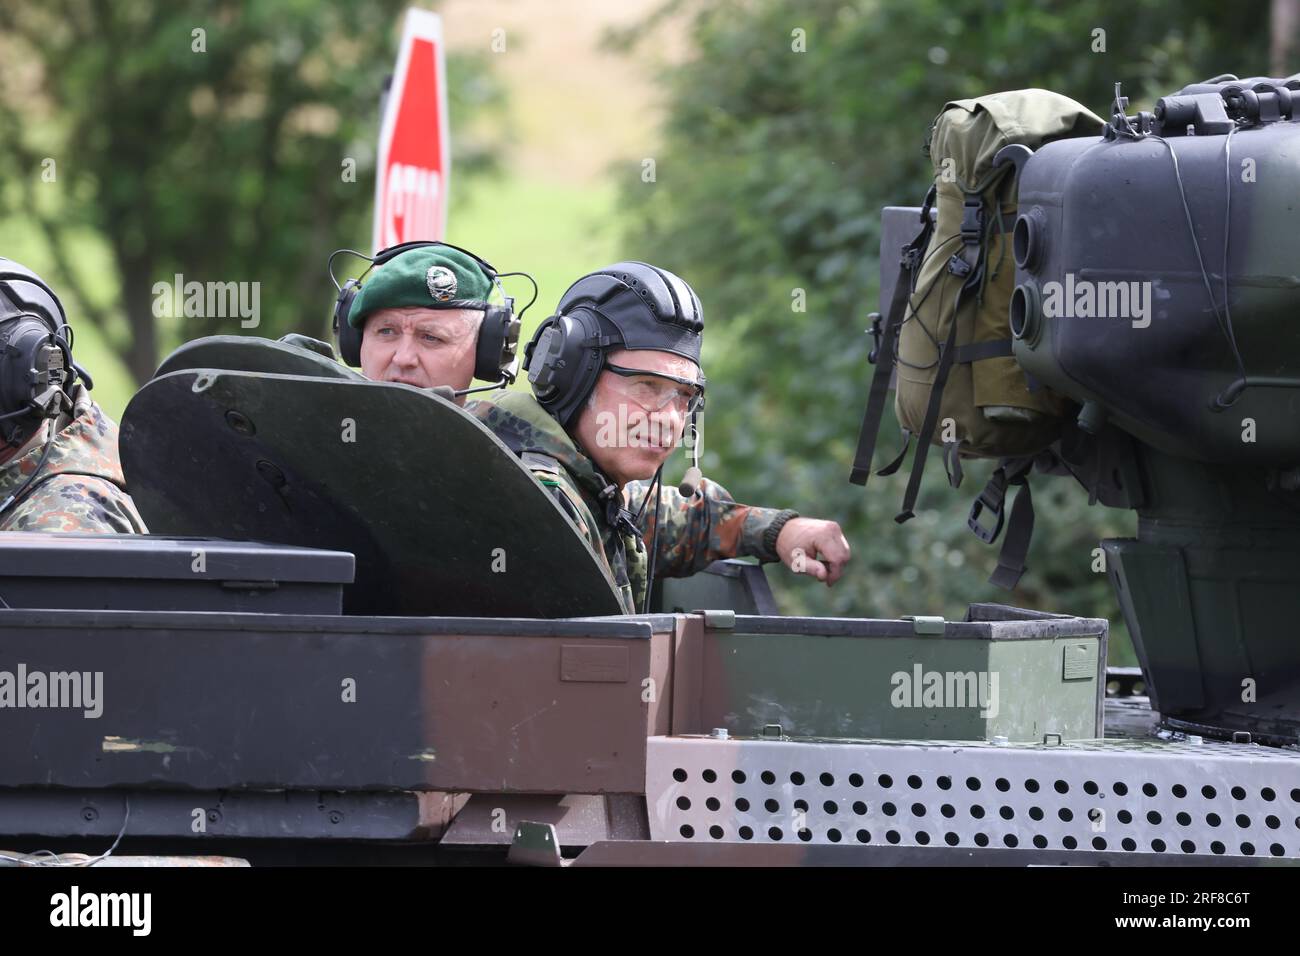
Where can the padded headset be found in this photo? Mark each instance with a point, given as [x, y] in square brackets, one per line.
[607, 309]
[567, 353]
[563, 361]
[498, 337]
[37, 373]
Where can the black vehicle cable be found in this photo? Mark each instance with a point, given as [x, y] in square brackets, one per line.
[504, 275]
[1220, 401]
[50, 858]
[656, 489]
[1226, 329]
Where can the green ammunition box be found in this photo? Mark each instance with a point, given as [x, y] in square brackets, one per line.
[1002, 673]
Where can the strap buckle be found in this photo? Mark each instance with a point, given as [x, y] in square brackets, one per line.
[992, 498]
[910, 258]
[622, 521]
[877, 333]
[972, 221]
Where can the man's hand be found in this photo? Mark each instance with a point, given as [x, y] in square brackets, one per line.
[812, 546]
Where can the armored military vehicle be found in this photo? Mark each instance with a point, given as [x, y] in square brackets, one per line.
[362, 632]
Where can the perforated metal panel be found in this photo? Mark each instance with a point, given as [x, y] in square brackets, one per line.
[1210, 799]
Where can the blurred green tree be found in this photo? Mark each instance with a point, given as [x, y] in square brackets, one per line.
[209, 139]
[789, 126]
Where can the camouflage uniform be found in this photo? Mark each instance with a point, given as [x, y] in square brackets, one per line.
[81, 487]
[695, 531]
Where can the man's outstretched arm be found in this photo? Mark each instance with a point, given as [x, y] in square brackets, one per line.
[711, 525]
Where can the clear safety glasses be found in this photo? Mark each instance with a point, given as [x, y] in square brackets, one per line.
[655, 391]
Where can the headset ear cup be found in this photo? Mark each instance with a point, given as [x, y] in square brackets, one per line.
[36, 377]
[498, 340]
[532, 344]
[587, 363]
[54, 322]
[510, 350]
[564, 372]
[350, 345]
[539, 361]
[347, 337]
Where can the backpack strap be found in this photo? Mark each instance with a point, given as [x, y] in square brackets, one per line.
[1015, 547]
[952, 463]
[894, 465]
[969, 265]
[908, 264]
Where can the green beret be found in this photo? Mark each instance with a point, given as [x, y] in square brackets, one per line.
[434, 277]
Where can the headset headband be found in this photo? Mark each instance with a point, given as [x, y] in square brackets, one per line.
[498, 335]
[392, 252]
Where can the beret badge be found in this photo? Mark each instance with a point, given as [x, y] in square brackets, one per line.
[441, 283]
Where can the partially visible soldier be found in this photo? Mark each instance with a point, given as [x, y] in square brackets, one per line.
[59, 469]
[615, 375]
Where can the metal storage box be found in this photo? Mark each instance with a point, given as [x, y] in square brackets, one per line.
[213, 702]
[146, 572]
[1002, 673]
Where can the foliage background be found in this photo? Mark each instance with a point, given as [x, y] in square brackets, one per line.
[773, 171]
[770, 170]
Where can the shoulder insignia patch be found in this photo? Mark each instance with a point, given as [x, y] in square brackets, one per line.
[535, 461]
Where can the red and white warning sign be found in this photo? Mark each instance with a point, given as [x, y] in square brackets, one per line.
[414, 148]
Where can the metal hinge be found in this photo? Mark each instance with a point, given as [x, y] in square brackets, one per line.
[720, 620]
[926, 624]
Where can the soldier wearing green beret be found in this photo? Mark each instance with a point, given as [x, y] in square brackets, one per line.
[419, 315]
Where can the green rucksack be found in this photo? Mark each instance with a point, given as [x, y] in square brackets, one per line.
[947, 330]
